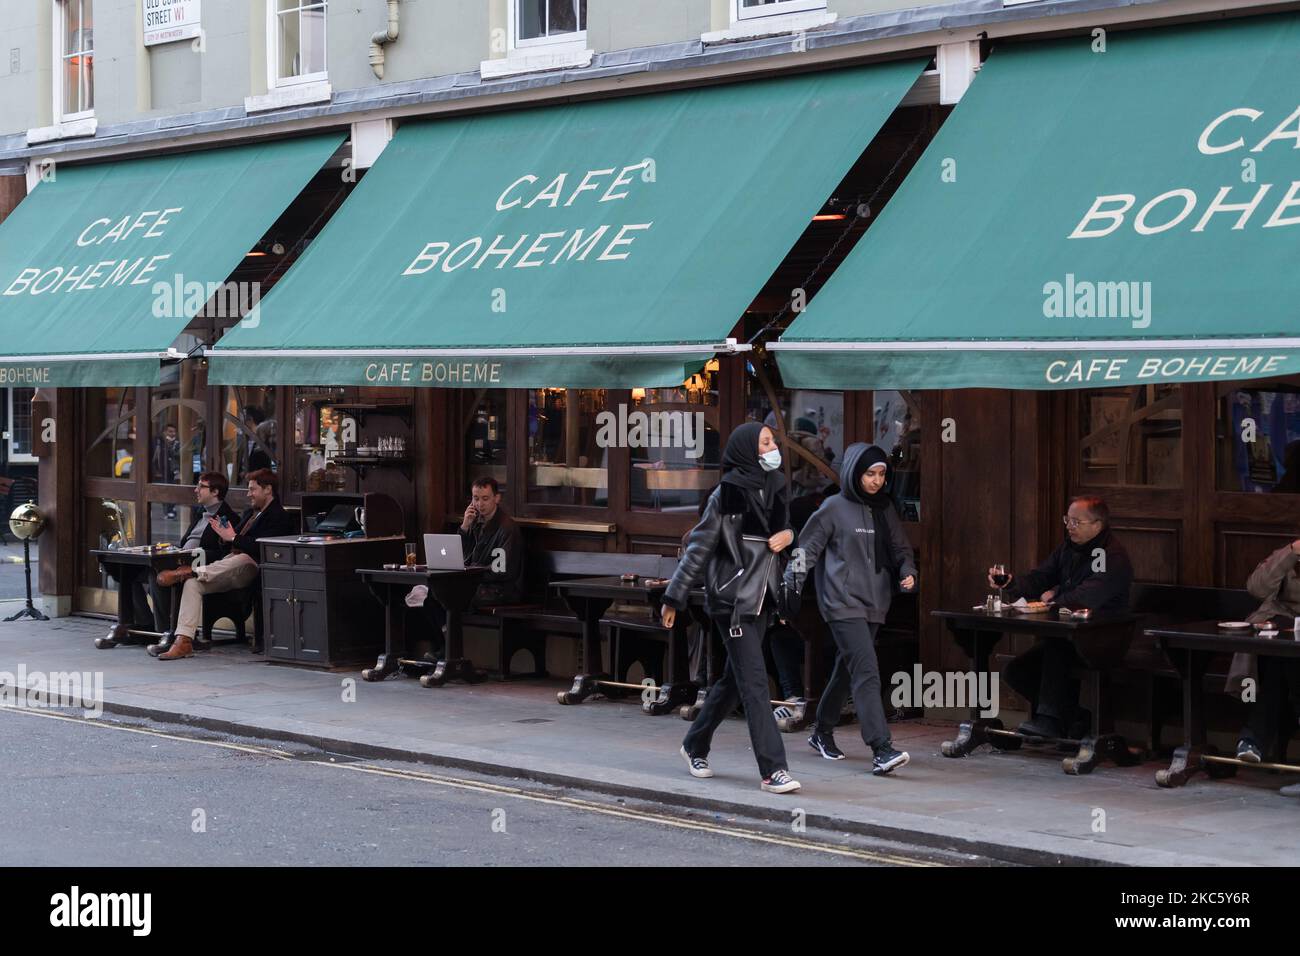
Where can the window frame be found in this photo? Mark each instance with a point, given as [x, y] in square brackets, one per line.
[60, 32]
[573, 40]
[740, 13]
[16, 457]
[273, 79]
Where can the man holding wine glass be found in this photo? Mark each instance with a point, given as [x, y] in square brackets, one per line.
[1090, 569]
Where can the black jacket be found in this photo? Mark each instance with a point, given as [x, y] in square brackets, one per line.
[273, 522]
[1069, 570]
[480, 543]
[213, 547]
[714, 548]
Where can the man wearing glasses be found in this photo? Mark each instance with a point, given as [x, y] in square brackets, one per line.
[1090, 569]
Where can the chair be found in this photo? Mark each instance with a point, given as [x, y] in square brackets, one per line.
[234, 606]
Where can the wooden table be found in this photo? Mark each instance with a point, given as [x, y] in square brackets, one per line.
[1101, 642]
[1190, 648]
[589, 599]
[452, 588]
[124, 565]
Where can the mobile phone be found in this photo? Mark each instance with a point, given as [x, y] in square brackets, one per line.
[225, 522]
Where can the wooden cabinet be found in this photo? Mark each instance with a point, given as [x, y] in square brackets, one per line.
[316, 610]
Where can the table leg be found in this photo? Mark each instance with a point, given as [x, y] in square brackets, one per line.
[679, 690]
[976, 730]
[589, 612]
[455, 666]
[1191, 666]
[394, 634]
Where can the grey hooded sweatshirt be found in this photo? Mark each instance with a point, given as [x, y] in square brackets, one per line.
[839, 546]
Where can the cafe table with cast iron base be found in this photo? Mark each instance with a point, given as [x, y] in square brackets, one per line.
[1101, 641]
[147, 559]
[1190, 648]
[589, 599]
[453, 589]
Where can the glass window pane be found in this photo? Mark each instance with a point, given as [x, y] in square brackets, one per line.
[249, 432]
[108, 523]
[566, 465]
[169, 522]
[563, 16]
[1258, 439]
[319, 431]
[110, 426]
[532, 19]
[287, 61]
[20, 421]
[87, 81]
[178, 425]
[485, 435]
[896, 429]
[71, 27]
[675, 459]
[1131, 436]
[72, 84]
[312, 26]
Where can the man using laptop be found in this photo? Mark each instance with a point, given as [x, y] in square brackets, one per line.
[490, 539]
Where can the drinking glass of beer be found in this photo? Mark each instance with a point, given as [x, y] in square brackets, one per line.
[410, 554]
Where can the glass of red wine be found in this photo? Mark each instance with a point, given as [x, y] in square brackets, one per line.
[1000, 578]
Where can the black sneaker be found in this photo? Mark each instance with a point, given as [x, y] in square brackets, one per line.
[887, 759]
[1249, 751]
[824, 744]
[699, 766]
[780, 782]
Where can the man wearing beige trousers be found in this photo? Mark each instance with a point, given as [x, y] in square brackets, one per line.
[265, 519]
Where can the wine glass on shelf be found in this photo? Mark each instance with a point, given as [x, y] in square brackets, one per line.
[1000, 579]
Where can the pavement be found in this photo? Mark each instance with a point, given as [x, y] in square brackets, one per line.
[1015, 807]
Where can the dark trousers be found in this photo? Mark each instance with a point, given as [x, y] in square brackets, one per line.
[1271, 719]
[743, 681]
[786, 646]
[856, 668]
[1042, 676]
[162, 603]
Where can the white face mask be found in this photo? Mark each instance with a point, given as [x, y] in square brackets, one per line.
[770, 460]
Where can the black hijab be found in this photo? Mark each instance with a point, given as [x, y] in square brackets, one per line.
[741, 467]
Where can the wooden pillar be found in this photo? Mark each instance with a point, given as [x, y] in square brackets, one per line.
[55, 446]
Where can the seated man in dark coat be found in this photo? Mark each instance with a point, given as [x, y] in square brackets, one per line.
[1090, 570]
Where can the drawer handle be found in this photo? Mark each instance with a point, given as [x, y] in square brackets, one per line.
[307, 555]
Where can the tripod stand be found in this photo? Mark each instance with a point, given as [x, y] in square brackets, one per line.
[30, 609]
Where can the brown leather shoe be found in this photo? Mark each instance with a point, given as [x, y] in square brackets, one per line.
[181, 647]
[174, 576]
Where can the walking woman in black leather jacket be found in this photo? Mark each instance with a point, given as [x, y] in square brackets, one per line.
[735, 551]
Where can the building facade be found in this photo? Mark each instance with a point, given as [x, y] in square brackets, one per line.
[94, 82]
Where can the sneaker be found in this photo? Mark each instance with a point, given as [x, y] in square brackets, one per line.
[1290, 790]
[1249, 751]
[888, 759]
[699, 766]
[780, 782]
[824, 744]
[782, 713]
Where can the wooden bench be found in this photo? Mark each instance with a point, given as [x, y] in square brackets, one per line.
[526, 625]
[1146, 666]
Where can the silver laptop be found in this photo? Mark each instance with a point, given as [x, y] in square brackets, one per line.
[443, 551]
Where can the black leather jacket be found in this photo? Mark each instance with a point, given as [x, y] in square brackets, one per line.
[714, 553]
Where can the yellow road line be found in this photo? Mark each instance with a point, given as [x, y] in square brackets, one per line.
[517, 793]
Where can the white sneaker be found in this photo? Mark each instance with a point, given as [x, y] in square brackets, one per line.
[698, 765]
[780, 782]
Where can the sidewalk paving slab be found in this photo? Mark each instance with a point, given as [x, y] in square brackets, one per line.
[1013, 806]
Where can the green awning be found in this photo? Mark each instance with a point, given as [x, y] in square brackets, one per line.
[102, 266]
[1085, 217]
[588, 245]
